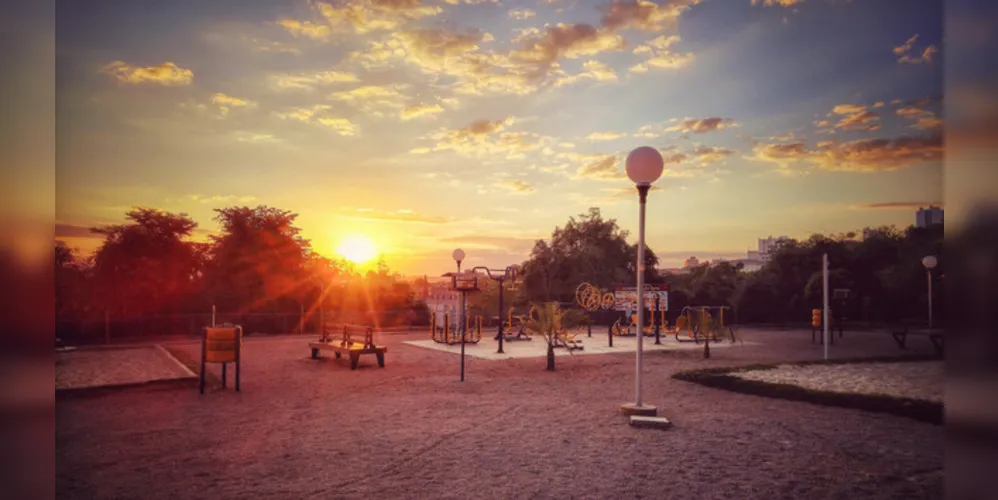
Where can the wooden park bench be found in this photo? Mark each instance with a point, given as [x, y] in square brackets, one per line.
[901, 332]
[353, 340]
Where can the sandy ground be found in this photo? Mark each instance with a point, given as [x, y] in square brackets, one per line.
[916, 380]
[100, 367]
[599, 343]
[304, 428]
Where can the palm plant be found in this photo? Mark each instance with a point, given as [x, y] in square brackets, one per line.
[550, 319]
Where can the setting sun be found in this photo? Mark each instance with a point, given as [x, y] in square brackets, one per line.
[357, 248]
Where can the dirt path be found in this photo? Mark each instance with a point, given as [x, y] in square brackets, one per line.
[303, 428]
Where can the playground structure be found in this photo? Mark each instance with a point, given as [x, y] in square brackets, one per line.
[698, 323]
[450, 334]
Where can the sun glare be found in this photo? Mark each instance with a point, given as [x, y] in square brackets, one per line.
[357, 248]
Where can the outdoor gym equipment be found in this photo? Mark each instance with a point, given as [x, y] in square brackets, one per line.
[696, 323]
[521, 327]
[448, 335]
[562, 337]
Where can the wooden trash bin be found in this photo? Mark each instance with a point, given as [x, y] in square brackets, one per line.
[221, 345]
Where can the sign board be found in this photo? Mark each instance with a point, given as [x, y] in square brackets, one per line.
[626, 297]
[465, 282]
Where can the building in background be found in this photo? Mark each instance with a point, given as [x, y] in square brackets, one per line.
[930, 216]
[691, 262]
[769, 245]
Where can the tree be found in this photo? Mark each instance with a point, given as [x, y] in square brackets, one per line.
[259, 262]
[587, 249]
[549, 321]
[147, 265]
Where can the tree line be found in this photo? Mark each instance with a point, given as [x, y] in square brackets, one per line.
[259, 264]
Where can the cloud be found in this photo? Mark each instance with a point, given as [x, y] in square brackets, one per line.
[923, 118]
[926, 56]
[702, 125]
[167, 73]
[661, 55]
[541, 52]
[398, 216]
[486, 138]
[706, 155]
[255, 138]
[372, 99]
[865, 155]
[903, 51]
[308, 82]
[855, 117]
[365, 16]
[897, 205]
[906, 46]
[591, 70]
[517, 186]
[306, 29]
[521, 14]
[226, 102]
[420, 110]
[644, 15]
[780, 3]
[319, 115]
[63, 230]
[604, 136]
[605, 168]
[460, 55]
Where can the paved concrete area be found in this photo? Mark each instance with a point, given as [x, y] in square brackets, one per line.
[487, 347]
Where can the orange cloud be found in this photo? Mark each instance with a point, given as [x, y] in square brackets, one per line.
[895, 205]
[906, 58]
[517, 186]
[364, 16]
[541, 52]
[781, 3]
[308, 82]
[603, 169]
[167, 73]
[604, 136]
[702, 125]
[661, 55]
[591, 70]
[319, 115]
[856, 117]
[306, 29]
[644, 15]
[906, 46]
[865, 155]
[420, 110]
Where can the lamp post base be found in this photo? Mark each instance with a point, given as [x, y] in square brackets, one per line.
[634, 409]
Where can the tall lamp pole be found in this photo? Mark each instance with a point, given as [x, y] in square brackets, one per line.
[644, 166]
[458, 257]
[929, 262]
[508, 274]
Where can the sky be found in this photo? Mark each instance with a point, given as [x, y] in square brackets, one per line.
[431, 125]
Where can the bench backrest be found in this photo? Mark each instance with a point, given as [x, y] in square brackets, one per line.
[349, 334]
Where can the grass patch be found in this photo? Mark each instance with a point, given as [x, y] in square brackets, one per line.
[210, 380]
[722, 378]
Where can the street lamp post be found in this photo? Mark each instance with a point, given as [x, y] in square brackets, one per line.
[458, 257]
[929, 262]
[644, 166]
[508, 274]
